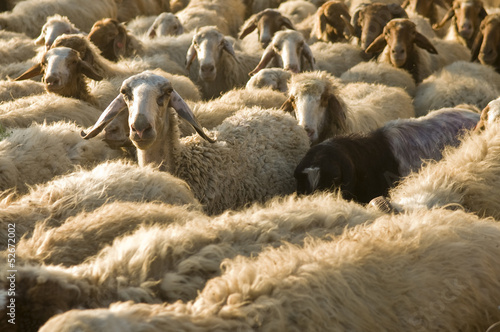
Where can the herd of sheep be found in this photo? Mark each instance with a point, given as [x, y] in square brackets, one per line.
[249, 165]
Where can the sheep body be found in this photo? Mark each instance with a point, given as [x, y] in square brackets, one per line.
[10, 90]
[402, 272]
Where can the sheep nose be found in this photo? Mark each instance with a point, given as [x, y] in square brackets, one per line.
[293, 68]
[141, 128]
[310, 131]
[52, 80]
[207, 68]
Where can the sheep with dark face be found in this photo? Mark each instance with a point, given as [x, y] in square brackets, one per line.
[366, 166]
[467, 16]
[332, 22]
[266, 23]
[325, 108]
[486, 46]
[259, 147]
[404, 47]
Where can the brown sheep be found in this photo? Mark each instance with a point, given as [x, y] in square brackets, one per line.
[332, 22]
[486, 46]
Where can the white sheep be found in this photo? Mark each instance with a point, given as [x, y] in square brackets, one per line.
[297, 10]
[55, 26]
[171, 262]
[274, 78]
[380, 73]
[404, 47]
[218, 67]
[81, 188]
[165, 24]
[259, 147]
[325, 108]
[461, 82]
[30, 15]
[426, 271]
[489, 114]
[468, 176]
[289, 50]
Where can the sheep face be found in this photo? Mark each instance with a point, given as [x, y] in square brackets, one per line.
[208, 45]
[369, 21]
[55, 26]
[288, 48]
[486, 46]
[468, 17]
[490, 114]
[63, 70]
[267, 23]
[166, 24]
[426, 8]
[274, 78]
[333, 22]
[147, 97]
[110, 36]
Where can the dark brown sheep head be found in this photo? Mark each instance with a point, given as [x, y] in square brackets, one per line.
[369, 20]
[468, 16]
[486, 46]
[400, 36]
[110, 36]
[267, 23]
[64, 72]
[426, 8]
[333, 22]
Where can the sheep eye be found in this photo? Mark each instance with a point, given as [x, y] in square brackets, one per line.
[161, 100]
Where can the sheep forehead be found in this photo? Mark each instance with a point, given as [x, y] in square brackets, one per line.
[60, 52]
[58, 18]
[315, 83]
[400, 24]
[208, 32]
[146, 81]
[287, 35]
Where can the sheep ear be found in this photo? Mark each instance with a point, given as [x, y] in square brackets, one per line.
[250, 25]
[337, 112]
[288, 106]
[481, 125]
[285, 22]
[228, 47]
[267, 56]
[313, 175]
[397, 11]
[89, 71]
[377, 45]
[445, 19]
[190, 56]
[183, 110]
[355, 19]
[151, 32]
[422, 42]
[32, 72]
[41, 39]
[348, 28]
[113, 109]
[320, 24]
[482, 13]
[119, 42]
[476, 46]
[307, 53]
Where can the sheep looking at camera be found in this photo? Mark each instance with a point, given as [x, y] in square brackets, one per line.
[366, 166]
[325, 109]
[407, 272]
[404, 47]
[486, 45]
[261, 146]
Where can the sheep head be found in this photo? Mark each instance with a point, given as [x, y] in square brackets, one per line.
[111, 37]
[55, 26]
[369, 20]
[332, 22]
[289, 48]
[274, 78]
[486, 46]
[63, 71]
[78, 43]
[490, 114]
[267, 23]
[147, 97]
[426, 8]
[208, 46]
[468, 16]
[314, 102]
[400, 36]
[166, 24]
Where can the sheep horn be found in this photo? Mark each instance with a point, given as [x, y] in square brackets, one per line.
[183, 110]
[113, 109]
[267, 56]
[445, 19]
[32, 72]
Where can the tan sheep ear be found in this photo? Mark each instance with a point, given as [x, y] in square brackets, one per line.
[120, 42]
[113, 109]
[424, 43]
[267, 56]
[41, 39]
[337, 112]
[288, 106]
[308, 54]
[89, 71]
[445, 19]
[228, 47]
[285, 22]
[183, 110]
[250, 25]
[481, 125]
[476, 46]
[32, 72]
[151, 32]
[397, 11]
[320, 25]
[377, 45]
[190, 56]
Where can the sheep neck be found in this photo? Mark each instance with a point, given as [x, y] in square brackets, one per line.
[165, 151]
